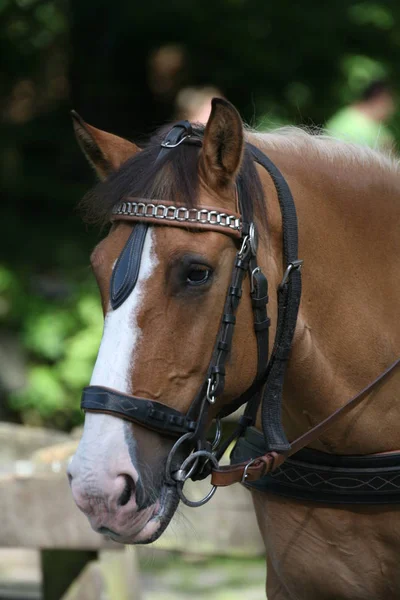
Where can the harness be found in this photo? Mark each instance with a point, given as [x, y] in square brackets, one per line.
[257, 457]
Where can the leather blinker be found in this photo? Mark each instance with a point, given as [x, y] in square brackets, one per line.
[127, 267]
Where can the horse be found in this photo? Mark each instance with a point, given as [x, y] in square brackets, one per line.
[197, 234]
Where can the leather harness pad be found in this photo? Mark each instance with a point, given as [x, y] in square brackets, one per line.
[150, 413]
[127, 267]
[322, 477]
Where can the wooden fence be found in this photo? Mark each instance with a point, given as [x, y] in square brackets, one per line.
[38, 512]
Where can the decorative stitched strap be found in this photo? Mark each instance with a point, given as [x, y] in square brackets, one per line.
[317, 476]
[150, 413]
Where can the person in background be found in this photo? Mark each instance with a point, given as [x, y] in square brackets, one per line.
[364, 121]
[194, 103]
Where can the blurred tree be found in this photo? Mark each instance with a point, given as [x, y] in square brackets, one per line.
[121, 64]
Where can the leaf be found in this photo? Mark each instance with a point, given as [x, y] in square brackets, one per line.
[43, 392]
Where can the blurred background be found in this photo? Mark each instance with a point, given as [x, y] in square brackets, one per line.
[129, 67]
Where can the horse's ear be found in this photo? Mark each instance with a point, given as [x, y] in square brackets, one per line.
[105, 152]
[223, 144]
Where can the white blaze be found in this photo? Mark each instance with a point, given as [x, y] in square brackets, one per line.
[101, 462]
[121, 332]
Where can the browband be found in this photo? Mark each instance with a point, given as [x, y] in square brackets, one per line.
[167, 213]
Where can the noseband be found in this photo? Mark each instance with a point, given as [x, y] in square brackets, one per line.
[191, 428]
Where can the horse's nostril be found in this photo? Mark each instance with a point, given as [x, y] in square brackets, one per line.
[129, 490]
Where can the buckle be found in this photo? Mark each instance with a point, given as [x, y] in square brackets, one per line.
[253, 239]
[245, 474]
[252, 278]
[168, 144]
[175, 137]
[211, 387]
[296, 264]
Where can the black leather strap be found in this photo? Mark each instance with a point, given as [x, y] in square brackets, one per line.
[223, 344]
[268, 385]
[126, 270]
[180, 131]
[289, 294]
[259, 301]
[149, 413]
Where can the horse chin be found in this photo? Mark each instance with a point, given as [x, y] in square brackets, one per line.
[159, 520]
[168, 504]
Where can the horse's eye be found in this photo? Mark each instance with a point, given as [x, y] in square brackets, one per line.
[198, 275]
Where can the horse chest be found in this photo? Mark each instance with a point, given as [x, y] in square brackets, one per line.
[319, 552]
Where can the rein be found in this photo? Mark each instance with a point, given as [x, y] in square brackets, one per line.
[190, 429]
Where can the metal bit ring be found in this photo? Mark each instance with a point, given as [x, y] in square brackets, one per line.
[168, 474]
[195, 456]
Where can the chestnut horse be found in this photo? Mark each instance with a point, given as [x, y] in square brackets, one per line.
[159, 336]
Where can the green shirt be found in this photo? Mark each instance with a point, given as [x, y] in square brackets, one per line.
[351, 125]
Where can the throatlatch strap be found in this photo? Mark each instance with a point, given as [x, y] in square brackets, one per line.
[289, 294]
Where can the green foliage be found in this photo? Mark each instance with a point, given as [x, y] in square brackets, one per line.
[60, 340]
[372, 13]
[358, 72]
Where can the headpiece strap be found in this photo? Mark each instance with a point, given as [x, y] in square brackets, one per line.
[180, 132]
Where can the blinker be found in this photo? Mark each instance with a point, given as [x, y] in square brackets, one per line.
[127, 267]
[126, 270]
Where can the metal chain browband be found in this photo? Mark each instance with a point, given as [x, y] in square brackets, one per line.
[159, 210]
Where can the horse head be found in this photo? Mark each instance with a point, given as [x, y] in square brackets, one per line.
[171, 279]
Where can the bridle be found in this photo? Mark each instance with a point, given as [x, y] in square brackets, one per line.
[190, 429]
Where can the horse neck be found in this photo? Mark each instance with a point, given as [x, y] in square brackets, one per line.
[347, 330]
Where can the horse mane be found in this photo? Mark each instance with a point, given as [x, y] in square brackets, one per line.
[173, 177]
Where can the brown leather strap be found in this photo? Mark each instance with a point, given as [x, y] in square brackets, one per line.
[183, 225]
[248, 471]
[258, 467]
